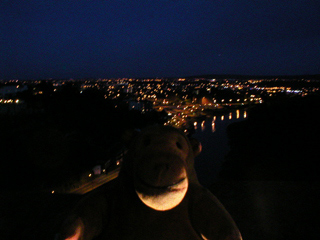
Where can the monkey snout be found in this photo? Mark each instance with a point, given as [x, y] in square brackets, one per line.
[163, 174]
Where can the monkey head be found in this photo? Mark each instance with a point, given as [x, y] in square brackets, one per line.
[161, 164]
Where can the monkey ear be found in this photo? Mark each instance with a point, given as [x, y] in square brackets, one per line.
[196, 146]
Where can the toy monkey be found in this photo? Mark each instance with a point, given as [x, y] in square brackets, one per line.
[156, 196]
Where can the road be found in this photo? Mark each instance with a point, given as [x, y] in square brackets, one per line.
[96, 182]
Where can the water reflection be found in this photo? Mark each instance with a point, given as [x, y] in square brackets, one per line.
[213, 128]
[237, 115]
[203, 127]
[213, 136]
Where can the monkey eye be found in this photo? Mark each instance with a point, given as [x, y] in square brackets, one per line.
[179, 145]
[146, 141]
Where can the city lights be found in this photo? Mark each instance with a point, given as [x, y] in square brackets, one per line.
[191, 105]
[181, 100]
[213, 127]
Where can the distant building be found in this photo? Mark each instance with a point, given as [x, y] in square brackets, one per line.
[97, 170]
[142, 106]
[10, 91]
[205, 101]
[128, 89]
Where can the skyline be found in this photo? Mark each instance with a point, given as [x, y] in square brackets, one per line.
[110, 39]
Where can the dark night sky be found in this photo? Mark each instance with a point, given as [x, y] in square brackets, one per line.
[117, 38]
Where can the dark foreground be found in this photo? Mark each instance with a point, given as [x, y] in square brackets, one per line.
[263, 210]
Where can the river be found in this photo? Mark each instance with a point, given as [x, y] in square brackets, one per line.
[212, 133]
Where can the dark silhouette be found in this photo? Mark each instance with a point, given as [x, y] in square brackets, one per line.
[277, 142]
[270, 180]
[62, 134]
[156, 196]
